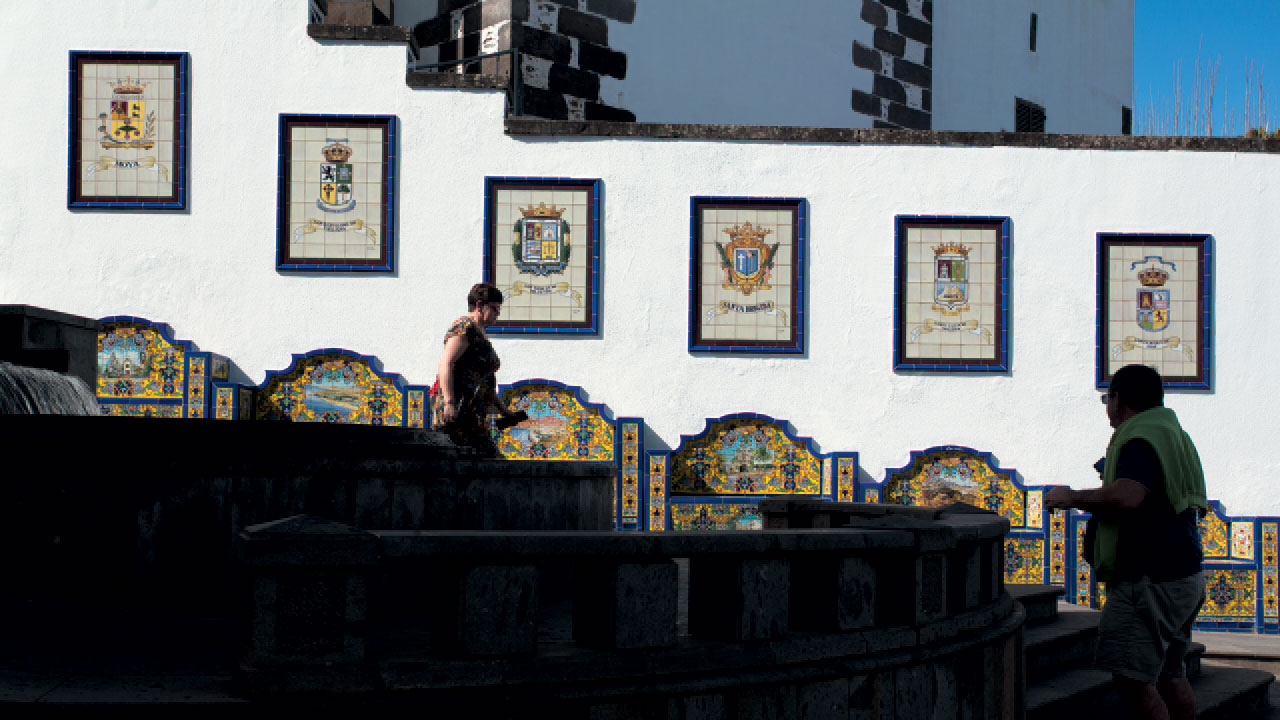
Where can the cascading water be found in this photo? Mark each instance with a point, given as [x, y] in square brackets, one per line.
[32, 391]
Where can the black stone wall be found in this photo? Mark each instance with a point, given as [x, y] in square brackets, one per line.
[563, 44]
[901, 58]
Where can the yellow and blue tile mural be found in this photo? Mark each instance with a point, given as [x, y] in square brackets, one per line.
[563, 426]
[144, 371]
[713, 480]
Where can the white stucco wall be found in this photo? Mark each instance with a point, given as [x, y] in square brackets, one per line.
[210, 272]
[750, 62]
[1081, 72]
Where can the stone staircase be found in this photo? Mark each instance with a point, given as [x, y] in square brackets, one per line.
[1059, 640]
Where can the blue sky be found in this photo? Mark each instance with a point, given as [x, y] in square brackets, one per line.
[1226, 32]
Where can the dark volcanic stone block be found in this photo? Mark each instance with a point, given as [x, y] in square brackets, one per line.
[875, 13]
[889, 89]
[599, 111]
[598, 59]
[917, 30]
[891, 43]
[909, 72]
[541, 43]
[625, 605]
[495, 611]
[543, 103]
[584, 27]
[867, 58]
[40, 338]
[908, 117]
[933, 586]
[738, 598]
[572, 81]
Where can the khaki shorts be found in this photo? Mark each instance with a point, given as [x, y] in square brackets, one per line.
[1146, 627]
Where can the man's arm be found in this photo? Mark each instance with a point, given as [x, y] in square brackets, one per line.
[1122, 495]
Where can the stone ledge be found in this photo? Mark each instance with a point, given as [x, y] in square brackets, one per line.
[428, 79]
[362, 33]
[534, 127]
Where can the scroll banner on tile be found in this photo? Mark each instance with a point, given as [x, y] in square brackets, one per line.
[521, 287]
[356, 225]
[105, 163]
[970, 326]
[725, 307]
[1132, 343]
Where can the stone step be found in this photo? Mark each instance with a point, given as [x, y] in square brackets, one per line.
[1221, 693]
[1069, 642]
[1065, 644]
[1039, 601]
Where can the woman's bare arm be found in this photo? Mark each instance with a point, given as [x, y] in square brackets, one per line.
[453, 349]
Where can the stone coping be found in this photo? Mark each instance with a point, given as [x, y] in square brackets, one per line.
[535, 127]
[362, 33]
[429, 79]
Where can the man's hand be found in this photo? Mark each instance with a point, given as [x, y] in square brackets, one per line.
[1060, 498]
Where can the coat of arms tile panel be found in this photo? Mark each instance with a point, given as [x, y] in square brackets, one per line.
[128, 116]
[1154, 302]
[951, 289]
[748, 264]
[542, 249]
[337, 189]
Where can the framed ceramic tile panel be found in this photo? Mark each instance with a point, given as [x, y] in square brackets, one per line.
[542, 249]
[747, 274]
[951, 293]
[127, 145]
[1154, 301]
[336, 193]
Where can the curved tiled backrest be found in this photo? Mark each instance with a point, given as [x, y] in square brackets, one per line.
[332, 385]
[715, 479]
[564, 426]
[561, 426]
[947, 474]
[144, 371]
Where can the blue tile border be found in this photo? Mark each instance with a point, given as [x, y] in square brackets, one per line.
[999, 364]
[1204, 362]
[181, 174]
[590, 324]
[799, 269]
[385, 262]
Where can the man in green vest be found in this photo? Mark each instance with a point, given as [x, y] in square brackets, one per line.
[1147, 546]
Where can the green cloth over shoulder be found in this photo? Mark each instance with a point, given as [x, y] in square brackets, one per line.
[1179, 462]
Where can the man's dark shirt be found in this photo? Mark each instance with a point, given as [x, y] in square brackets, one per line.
[1154, 541]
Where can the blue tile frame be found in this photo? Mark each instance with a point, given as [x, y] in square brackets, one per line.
[830, 480]
[1204, 363]
[385, 262]
[1000, 363]
[799, 276]
[182, 78]
[590, 325]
